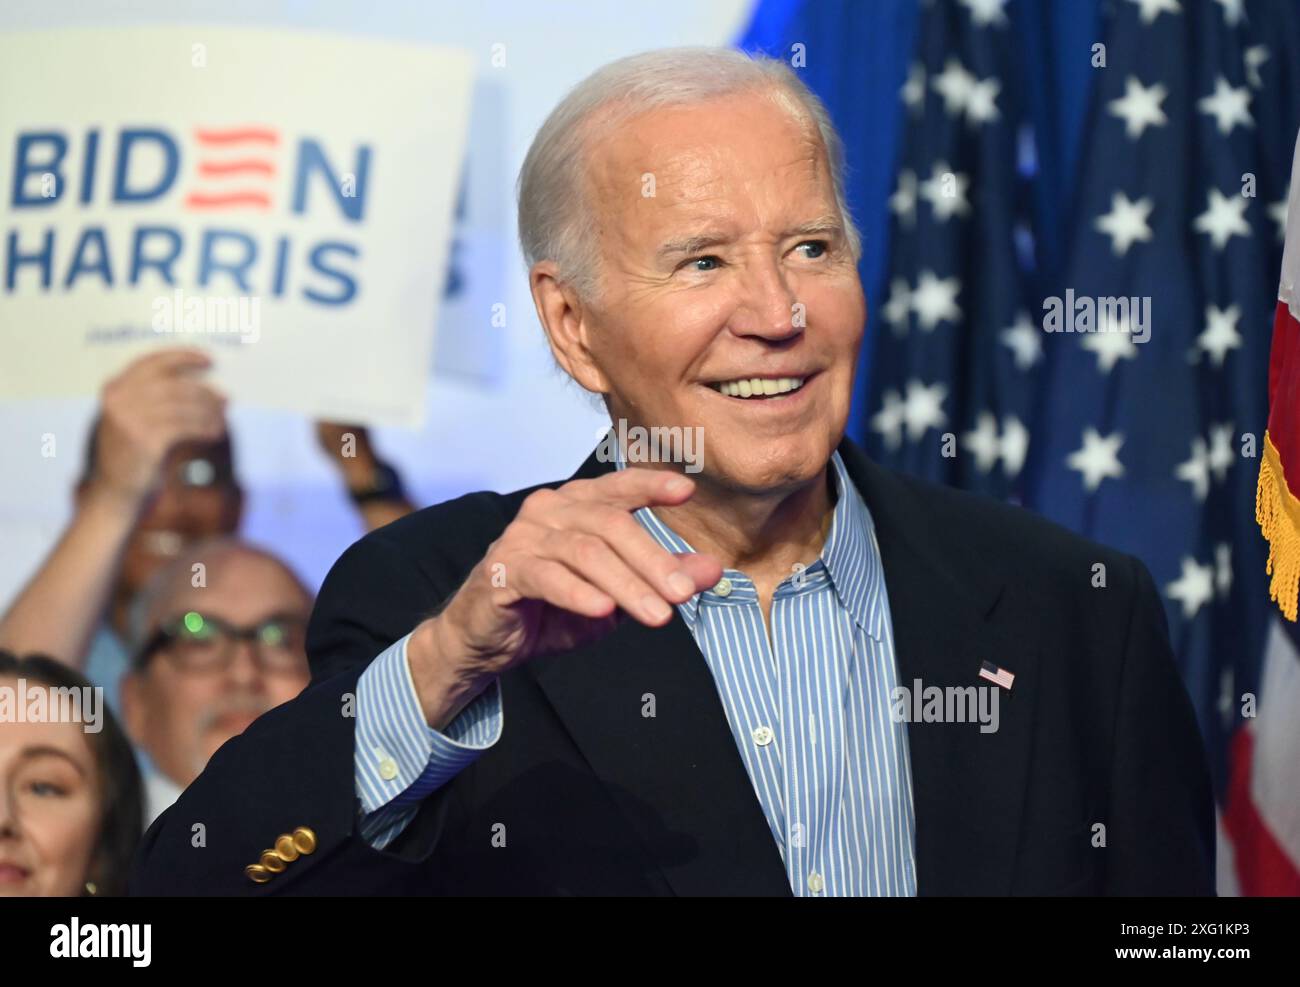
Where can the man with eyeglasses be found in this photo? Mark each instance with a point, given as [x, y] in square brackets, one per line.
[210, 655]
[158, 478]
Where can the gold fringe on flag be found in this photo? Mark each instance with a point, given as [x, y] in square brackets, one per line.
[1278, 513]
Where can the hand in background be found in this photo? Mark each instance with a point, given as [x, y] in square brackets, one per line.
[373, 486]
[149, 408]
[153, 405]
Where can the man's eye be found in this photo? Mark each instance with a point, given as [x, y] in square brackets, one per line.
[273, 635]
[819, 246]
[709, 259]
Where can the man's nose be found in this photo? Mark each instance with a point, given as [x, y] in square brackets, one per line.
[244, 666]
[769, 308]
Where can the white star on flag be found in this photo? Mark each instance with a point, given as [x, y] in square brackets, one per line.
[1097, 458]
[1220, 335]
[1196, 470]
[1227, 105]
[1126, 222]
[913, 91]
[934, 300]
[903, 202]
[945, 190]
[1224, 217]
[1025, 340]
[1112, 342]
[1013, 445]
[984, 13]
[888, 421]
[899, 306]
[1212, 458]
[1277, 213]
[1233, 14]
[1151, 9]
[1139, 107]
[1193, 588]
[953, 84]
[923, 408]
[1254, 59]
[1222, 568]
[981, 101]
[982, 442]
[1221, 454]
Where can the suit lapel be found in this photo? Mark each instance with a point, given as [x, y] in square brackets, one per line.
[950, 611]
[676, 775]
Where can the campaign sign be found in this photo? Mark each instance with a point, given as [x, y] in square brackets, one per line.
[281, 199]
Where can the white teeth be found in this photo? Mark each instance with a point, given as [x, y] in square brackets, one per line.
[759, 386]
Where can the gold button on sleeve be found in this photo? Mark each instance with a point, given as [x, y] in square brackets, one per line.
[285, 849]
[304, 839]
[257, 873]
[272, 862]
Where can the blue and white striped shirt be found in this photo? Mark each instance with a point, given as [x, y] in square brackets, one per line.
[809, 709]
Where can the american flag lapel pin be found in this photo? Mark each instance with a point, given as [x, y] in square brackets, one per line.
[996, 675]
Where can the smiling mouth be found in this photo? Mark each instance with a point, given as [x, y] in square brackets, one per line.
[758, 388]
[13, 874]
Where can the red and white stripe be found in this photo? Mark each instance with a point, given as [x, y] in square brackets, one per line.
[1261, 818]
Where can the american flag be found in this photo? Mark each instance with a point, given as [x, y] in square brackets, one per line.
[1143, 433]
[997, 675]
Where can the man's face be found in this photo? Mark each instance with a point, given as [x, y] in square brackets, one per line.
[180, 715]
[772, 293]
[197, 500]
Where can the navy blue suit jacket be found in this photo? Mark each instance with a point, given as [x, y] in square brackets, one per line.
[1097, 742]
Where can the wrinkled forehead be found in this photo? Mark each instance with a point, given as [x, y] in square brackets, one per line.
[750, 158]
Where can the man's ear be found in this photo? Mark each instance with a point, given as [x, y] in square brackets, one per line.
[568, 325]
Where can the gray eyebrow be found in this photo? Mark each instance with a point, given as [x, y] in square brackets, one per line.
[824, 226]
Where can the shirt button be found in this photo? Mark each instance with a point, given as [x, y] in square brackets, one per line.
[816, 884]
[763, 736]
[388, 769]
[723, 588]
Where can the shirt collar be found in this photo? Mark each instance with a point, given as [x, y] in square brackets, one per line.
[851, 554]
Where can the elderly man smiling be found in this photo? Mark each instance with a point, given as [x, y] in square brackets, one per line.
[639, 682]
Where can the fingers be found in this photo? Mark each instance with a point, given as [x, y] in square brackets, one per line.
[587, 527]
[659, 568]
[182, 409]
[703, 570]
[555, 584]
[592, 559]
[165, 363]
[633, 488]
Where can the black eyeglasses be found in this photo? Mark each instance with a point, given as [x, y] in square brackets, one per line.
[200, 643]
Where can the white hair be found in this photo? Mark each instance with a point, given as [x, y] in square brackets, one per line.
[555, 218]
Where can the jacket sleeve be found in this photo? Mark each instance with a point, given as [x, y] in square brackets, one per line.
[293, 768]
[1160, 833]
